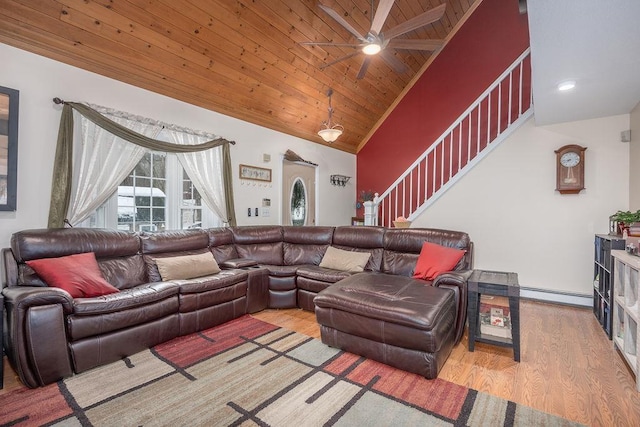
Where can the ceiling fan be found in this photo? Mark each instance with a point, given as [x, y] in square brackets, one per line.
[377, 42]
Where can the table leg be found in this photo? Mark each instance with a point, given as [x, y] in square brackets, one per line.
[472, 315]
[514, 309]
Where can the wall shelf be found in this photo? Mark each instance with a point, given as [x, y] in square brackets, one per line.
[340, 180]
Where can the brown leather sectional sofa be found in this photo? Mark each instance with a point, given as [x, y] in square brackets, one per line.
[52, 335]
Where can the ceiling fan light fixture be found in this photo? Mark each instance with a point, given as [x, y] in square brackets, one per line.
[330, 131]
[371, 49]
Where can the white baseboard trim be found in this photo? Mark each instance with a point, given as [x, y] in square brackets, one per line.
[568, 298]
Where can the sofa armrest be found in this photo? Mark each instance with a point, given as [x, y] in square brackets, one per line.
[238, 263]
[36, 334]
[10, 268]
[23, 297]
[457, 281]
[453, 278]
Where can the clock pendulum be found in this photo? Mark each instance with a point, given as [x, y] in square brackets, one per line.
[570, 178]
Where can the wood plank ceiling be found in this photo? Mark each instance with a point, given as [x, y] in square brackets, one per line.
[239, 58]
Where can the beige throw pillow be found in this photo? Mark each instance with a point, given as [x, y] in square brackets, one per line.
[187, 266]
[339, 259]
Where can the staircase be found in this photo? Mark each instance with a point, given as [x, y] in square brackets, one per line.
[497, 112]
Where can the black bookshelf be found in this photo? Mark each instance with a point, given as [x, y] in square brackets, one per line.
[603, 278]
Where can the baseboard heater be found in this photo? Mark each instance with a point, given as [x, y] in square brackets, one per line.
[557, 297]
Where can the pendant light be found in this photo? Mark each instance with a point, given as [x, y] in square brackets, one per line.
[330, 131]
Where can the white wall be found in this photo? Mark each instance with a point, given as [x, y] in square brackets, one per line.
[39, 80]
[518, 222]
[634, 160]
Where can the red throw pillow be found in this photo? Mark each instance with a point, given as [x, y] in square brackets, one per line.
[77, 274]
[436, 259]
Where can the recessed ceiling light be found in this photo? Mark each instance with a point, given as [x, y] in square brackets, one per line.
[566, 85]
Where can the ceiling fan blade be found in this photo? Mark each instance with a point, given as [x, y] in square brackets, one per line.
[353, 45]
[397, 65]
[381, 15]
[364, 67]
[351, 55]
[416, 22]
[340, 20]
[428, 45]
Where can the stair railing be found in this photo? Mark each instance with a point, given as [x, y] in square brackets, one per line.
[496, 113]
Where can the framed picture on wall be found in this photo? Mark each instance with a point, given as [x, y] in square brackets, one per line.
[8, 148]
[255, 173]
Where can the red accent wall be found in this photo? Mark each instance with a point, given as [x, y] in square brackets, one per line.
[491, 39]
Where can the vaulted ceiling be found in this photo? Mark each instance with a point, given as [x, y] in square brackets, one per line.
[240, 58]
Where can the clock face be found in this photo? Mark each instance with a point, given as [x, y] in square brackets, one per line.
[570, 159]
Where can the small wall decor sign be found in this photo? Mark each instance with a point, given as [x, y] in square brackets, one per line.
[255, 173]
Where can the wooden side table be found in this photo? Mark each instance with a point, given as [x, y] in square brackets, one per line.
[497, 283]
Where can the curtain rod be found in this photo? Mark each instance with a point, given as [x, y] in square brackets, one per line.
[142, 119]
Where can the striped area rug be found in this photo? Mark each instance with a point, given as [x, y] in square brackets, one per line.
[248, 372]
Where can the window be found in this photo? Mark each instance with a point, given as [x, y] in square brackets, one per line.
[298, 203]
[142, 195]
[191, 204]
[157, 195]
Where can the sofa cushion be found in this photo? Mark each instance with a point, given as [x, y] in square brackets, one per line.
[375, 260]
[152, 267]
[238, 263]
[77, 274]
[390, 309]
[260, 243]
[436, 259]
[303, 254]
[338, 259]
[124, 272]
[216, 281]
[403, 245]
[322, 274]
[187, 266]
[58, 242]
[263, 253]
[305, 245]
[221, 244]
[282, 270]
[204, 293]
[114, 312]
[363, 239]
[174, 241]
[126, 299]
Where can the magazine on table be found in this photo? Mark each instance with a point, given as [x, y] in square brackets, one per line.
[495, 318]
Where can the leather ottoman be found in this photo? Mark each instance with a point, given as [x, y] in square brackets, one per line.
[396, 320]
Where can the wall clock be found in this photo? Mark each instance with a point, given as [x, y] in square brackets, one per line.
[570, 169]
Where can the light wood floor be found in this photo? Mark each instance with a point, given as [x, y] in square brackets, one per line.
[568, 366]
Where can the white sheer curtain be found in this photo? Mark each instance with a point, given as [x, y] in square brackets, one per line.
[101, 162]
[205, 169]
